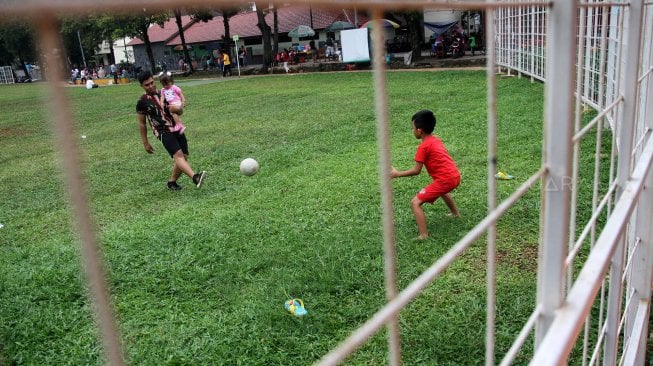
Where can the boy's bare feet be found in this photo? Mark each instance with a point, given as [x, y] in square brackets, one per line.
[421, 237]
[451, 214]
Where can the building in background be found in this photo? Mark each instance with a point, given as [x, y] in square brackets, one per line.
[122, 52]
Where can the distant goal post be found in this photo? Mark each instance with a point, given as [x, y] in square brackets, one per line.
[6, 75]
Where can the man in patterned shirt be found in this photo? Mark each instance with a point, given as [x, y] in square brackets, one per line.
[150, 108]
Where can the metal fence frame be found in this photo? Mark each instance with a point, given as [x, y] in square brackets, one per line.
[605, 64]
[6, 75]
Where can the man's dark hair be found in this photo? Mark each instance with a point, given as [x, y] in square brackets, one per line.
[144, 75]
[424, 120]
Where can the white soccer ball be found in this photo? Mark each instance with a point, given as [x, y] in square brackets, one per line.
[248, 167]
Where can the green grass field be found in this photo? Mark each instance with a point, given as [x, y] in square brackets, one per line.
[199, 277]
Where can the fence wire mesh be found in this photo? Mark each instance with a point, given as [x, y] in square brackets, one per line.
[615, 58]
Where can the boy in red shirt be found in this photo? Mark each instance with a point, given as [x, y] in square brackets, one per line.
[432, 154]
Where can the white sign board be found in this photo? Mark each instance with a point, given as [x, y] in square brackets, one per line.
[355, 47]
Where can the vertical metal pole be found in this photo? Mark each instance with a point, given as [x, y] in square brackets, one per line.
[79, 39]
[557, 158]
[237, 57]
[588, 18]
[641, 273]
[51, 46]
[576, 158]
[534, 39]
[576, 147]
[640, 276]
[520, 41]
[625, 144]
[510, 39]
[597, 171]
[492, 185]
[355, 17]
[381, 102]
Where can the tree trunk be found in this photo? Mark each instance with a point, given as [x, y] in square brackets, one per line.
[266, 32]
[226, 14]
[416, 31]
[24, 67]
[177, 12]
[148, 48]
[275, 49]
[112, 57]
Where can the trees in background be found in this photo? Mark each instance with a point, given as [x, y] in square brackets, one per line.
[83, 34]
[17, 44]
[266, 32]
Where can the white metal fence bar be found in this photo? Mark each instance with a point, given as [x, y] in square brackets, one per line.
[381, 103]
[625, 137]
[647, 73]
[595, 216]
[596, 119]
[597, 348]
[491, 77]
[640, 272]
[582, 28]
[597, 170]
[50, 46]
[629, 261]
[557, 153]
[566, 325]
[633, 354]
[622, 321]
[641, 140]
[602, 3]
[508, 51]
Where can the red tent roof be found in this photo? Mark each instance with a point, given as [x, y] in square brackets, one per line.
[169, 30]
[244, 24]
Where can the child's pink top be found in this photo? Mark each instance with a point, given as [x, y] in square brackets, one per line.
[172, 94]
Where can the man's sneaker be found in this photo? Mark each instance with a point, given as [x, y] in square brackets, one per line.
[173, 186]
[199, 178]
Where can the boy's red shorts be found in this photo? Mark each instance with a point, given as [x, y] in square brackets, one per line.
[437, 189]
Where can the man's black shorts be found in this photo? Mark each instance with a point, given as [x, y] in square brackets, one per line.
[173, 142]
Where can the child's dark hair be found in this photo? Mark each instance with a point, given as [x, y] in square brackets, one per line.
[166, 79]
[424, 120]
[144, 75]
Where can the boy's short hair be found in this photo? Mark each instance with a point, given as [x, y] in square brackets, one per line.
[424, 120]
[144, 75]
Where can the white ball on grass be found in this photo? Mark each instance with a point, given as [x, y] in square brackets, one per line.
[248, 167]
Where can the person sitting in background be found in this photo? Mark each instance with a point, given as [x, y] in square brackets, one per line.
[329, 48]
[90, 84]
[438, 46]
[311, 50]
[294, 58]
